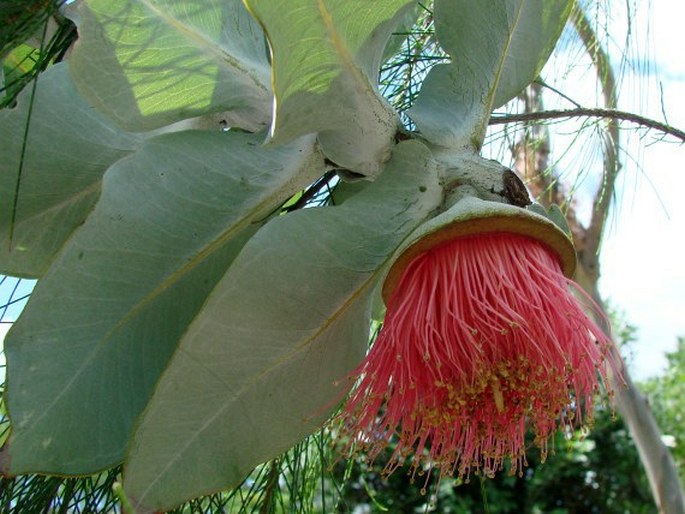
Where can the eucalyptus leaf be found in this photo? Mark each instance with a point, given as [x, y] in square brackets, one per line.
[270, 353]
[149, 64]
[326, 60]
[344, 190]
[101, 325]
[61, 171]
[401, 32]
[497, 48]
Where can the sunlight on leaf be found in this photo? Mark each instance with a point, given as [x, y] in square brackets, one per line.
[147, 64]
[326, 57]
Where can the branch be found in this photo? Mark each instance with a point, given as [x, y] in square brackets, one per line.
[272, 482]
[590, 112]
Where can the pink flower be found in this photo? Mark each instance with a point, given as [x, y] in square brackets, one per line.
[482, 336]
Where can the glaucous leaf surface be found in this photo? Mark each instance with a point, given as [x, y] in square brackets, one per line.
[266, 361]
[326, 60]
[102, 323]
[68, 148]
[150, 63]
[497, 48]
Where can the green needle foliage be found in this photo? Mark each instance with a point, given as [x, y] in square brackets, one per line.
[29, 494]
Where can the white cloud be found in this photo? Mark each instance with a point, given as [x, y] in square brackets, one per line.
[643, 255]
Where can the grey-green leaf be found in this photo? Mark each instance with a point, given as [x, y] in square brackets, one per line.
[267, 360]
[147, 64]
[326, 59]
[101, 325]
[68, 148]
[497, 48]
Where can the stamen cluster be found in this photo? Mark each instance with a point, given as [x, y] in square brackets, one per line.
[482, 338]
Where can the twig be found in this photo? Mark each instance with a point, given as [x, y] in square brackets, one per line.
[311, 192]
[22, 155]
[271, 483]
[591, 112]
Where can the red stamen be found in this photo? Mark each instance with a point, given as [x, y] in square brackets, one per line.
[481, 335]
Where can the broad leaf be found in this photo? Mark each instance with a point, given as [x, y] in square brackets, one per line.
[497, 48]
[147, 64]
[61, 174]
[103, 322]
[343, 191]
[267, 359]
[326, 59]
[401, 32]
